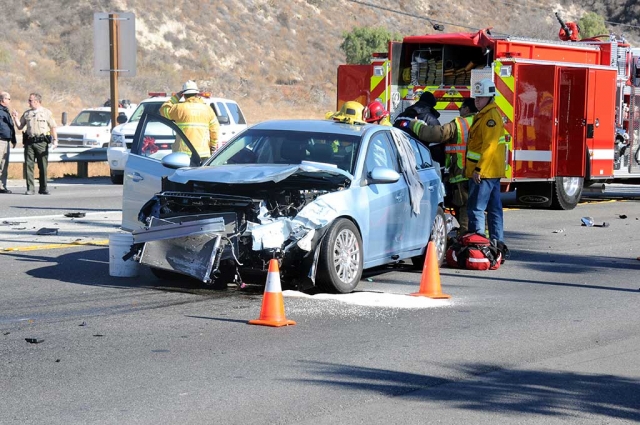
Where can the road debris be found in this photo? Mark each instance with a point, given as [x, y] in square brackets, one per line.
[46, 231]
[83, 324]
[558, 231]
[587, 221]
[12, 223]
[622, 216]
[34, 340]
[75, 214]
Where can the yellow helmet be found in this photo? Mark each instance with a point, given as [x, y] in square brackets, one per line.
[351, 112]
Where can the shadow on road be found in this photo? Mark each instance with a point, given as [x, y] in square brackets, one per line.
[87, 266]
[491, 388]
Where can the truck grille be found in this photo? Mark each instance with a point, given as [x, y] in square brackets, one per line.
[69, 139]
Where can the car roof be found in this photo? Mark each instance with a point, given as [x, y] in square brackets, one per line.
[206, 99]
[103, 108]
[319, 126]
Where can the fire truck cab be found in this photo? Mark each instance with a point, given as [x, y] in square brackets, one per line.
[571, 109]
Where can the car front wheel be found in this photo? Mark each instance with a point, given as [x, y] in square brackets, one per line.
[340, 263]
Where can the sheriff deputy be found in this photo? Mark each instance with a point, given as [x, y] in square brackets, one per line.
[40, 132]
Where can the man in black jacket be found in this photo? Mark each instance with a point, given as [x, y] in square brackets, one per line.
[7, 136]
[423, 110]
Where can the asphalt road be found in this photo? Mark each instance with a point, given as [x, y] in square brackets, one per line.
[551, 337]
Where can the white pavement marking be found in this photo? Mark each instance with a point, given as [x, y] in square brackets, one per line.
[20, 232]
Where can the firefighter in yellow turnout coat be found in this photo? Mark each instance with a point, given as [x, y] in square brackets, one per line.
[195, 118]
[455, 135]
[486, 162]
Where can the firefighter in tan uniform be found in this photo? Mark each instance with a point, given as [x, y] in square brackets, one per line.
[40, 131]
[455, 135]
[195, 118]
[486, 162]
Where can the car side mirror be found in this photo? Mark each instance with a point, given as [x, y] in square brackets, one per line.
[223, 120]
[383, 175]
[121, 119]
[176, 160]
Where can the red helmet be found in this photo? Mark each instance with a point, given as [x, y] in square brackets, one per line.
[376, 112]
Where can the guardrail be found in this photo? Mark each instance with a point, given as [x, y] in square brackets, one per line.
[82, 156]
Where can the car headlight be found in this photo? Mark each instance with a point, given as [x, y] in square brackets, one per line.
[117, 141]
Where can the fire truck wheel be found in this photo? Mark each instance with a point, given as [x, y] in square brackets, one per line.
[567, 192]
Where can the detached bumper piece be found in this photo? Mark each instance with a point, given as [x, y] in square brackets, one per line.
[191, 245]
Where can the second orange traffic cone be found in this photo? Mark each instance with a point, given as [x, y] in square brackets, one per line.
[272, 312]
[430, 280]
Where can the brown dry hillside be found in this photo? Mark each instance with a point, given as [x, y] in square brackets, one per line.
[277, 58]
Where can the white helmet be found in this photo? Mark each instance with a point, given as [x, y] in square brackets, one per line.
[484, 88]
[190, 87]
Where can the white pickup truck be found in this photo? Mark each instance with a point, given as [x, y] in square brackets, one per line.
[229, 115]
[91, 128]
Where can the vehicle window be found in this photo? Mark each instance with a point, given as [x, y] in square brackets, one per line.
[156, 139]
[148, 107]
[289, 147]
[425, 153]
[92, 119]
[418, 150]
[221, 108]
[236, 113]
[380, 153]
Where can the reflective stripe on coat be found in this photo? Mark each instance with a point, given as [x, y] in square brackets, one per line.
[197, 121]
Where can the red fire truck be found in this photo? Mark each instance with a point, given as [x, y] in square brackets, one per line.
[571, 108]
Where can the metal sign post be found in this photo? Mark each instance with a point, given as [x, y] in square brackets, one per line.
[113, 62]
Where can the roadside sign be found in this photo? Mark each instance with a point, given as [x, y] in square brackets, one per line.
[126, 44]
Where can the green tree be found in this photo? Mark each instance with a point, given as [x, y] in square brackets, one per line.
[359, 44]
[591, 25]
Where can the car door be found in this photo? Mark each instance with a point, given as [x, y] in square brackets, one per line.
[144, 171]
[418, 228]
[387, 201]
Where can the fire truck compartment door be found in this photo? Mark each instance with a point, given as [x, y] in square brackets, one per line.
[570, 147]
[353, 84]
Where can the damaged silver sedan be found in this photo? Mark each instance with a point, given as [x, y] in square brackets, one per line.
[326, 199]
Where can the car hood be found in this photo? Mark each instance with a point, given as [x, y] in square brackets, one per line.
[258, 173]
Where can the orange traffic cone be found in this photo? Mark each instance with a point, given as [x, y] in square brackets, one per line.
[430, 280]
[272, 312]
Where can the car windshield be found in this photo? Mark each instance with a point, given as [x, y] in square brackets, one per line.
[148, 107]
[256, 146]
[92, 119]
